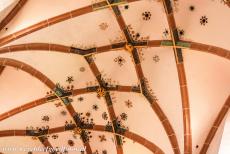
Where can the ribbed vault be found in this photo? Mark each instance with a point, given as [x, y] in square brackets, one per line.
[17, 47]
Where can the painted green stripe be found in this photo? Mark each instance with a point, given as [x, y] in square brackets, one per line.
[183, 44]
[166, 43]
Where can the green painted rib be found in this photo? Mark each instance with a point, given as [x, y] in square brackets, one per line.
[183, 44]
[166, 43]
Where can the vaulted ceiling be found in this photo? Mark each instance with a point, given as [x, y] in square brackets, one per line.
[114, 76]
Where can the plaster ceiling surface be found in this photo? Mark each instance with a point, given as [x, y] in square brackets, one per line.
[119, 65]
[114, 76]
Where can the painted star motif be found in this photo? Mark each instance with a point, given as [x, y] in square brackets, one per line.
[95, 107]
[80, 99]
[203, 20]
[156, 58]
[69, 79]
[120, 60]
[102, 138]
[128, 103]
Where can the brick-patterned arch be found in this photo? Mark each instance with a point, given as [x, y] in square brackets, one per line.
[221, 115]
[59, 48]
[12, 13]
[181, 74]
[210, 49]
[218, 51]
